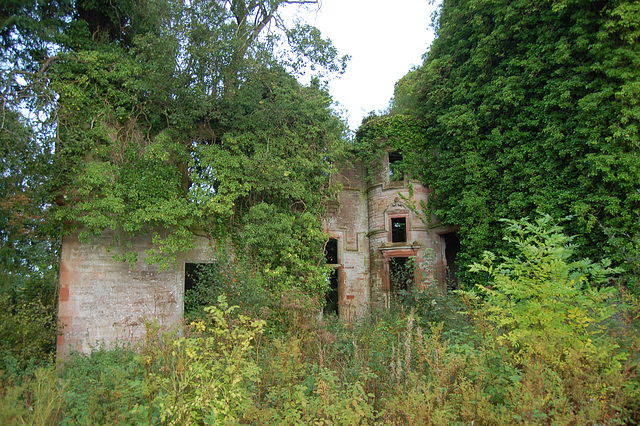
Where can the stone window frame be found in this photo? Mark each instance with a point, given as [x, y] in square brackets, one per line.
[407, 218]
[386, 257]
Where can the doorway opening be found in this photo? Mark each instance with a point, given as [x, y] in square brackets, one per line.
[331, 251]
[197, 286]
[192, 275]
[451, 243]
[401, 272]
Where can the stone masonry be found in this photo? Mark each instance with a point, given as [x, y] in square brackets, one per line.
[103, 300]
[362, 221]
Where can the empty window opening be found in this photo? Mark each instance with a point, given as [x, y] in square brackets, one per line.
[196, 279]
[332, 296]
[331, 251]
[399, 230]
[395, 163]
[401, 273]
[192, 275]
[451, 249]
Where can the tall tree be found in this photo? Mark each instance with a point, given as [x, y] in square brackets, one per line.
[30, 33]
[532, 106]
[175, 116]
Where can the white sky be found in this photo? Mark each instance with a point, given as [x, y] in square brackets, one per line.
[384, 38]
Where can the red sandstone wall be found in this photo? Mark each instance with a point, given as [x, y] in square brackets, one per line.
[347, 222]
[102, 300]
[385, 200]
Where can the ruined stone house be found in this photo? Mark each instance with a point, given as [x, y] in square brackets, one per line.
[378, 245]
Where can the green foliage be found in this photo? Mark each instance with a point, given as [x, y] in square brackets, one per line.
[239, 282]
[394, 367]
[173, 118]
[260, 293]
[397, 132]
[530, 106]
[28, 29]
[289, 246]
[544, 302]
[212, 370]
[28, 330]
[548, 322]
[38, 400]
[162, 118]
[106, 387]
[28, 239]
[432, 305]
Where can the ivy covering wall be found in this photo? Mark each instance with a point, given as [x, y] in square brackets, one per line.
[531, 106]
[174, 118]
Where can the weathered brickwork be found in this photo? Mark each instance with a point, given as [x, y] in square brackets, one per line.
[366, 208]
[103, 300]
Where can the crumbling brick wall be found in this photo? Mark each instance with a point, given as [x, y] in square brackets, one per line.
[103, 300]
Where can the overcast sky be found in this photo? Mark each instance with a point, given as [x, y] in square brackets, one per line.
[384, 38]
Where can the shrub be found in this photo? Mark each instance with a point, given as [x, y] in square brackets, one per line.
[211, 374]
[552, 315]
[28, 332]
[38, 400]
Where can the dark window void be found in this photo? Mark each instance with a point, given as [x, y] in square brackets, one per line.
[400, 274]
[192, 272]
[399, 230]
[332, 297]
[331, 251]
[451, 249]
[395, 162]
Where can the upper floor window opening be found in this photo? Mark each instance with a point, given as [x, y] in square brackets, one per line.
[399, 230]
[395, 163]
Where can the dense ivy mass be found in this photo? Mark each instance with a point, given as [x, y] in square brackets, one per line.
[532, 106]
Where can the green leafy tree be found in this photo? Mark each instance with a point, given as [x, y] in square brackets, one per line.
[189, 116]
[29, 37]
[155, 117]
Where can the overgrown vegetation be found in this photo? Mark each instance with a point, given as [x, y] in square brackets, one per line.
[163, 118]
[531, 106]
[549, 343]
[139, 116]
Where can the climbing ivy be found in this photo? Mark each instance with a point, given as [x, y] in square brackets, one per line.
[182, 118]
[531, 106]
[379, 134]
